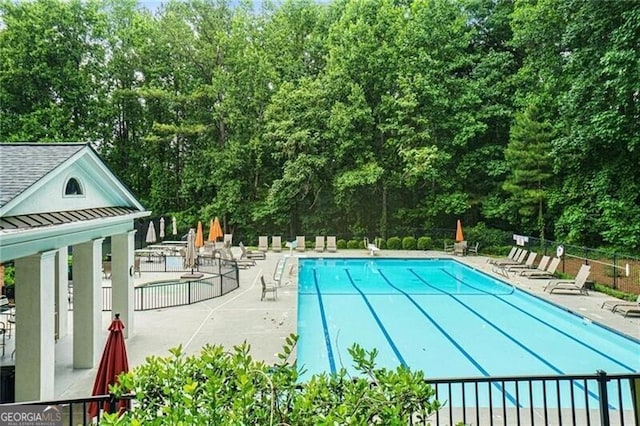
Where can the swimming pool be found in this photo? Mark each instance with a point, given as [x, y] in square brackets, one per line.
[444, 318]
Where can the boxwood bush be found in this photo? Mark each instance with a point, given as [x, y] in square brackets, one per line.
[409, 243]
[394, 243]
[424, 243]
[341, 244]
[354, 244]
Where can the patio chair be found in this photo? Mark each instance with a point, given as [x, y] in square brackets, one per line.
[226, 256]
[301, 243]
[613, 304]
[319, 244]
[542, 266]
[501, 267]
[578, 284]
[515, 251]
[276, 243]
[250, 254]
[473, 249]
[531, 259]
[519, 260]
[263, 244]
[460, 248]
[628, 308]
[228, 240]
[268, 288]
[448, 248]
[331, 244]
[548, 273]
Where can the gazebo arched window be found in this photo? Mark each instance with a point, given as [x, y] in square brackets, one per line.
[73, 188]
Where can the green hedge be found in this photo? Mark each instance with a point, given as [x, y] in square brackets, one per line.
[394, 243]
[229, 387]
[424, 243]
[409, 243]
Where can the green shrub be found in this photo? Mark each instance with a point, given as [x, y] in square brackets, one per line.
[408, 243]
[341, 244]
[382, 243]
[424, 243]
[394, 243]
[354, 244]
[229, 387]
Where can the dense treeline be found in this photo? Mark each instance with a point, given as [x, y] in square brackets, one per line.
[383, 117]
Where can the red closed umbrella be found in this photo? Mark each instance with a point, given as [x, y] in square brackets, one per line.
[114, 361]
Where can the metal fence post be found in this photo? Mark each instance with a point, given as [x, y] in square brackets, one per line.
[615, 270]
[603, 399]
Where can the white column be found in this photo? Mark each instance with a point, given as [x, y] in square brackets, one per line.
[87, 303]
[122, 291]
[35, 344]
[62, 292]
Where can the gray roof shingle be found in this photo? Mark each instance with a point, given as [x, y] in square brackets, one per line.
[24, 164]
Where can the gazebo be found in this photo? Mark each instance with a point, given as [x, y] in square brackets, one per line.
[58, 199]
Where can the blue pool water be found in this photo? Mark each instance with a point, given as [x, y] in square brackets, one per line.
[446, 319]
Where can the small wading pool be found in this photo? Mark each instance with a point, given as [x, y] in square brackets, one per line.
[446, 319]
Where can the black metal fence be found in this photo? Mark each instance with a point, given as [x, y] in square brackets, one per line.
[615, 270]
[578, 400]
[224, 279]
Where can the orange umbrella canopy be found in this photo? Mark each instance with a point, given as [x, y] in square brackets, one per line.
[459, 234]
[215, 230]
[199, 236]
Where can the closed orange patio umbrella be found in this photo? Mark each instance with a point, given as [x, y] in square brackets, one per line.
[459, 234]
[199, 236]
[215, 230]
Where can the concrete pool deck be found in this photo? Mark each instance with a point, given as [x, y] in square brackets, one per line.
[241, 316]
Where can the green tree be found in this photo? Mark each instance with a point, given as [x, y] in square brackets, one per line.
[50, 70]
[598, 153]
[530, 165]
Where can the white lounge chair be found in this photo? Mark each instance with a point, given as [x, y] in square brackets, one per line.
[519, 260]
[276, 243]
[579, 284]
[628, 308]
[513, 254]
[250, 254]
[228, 240]
[331, 243]
[319, 244]
[531, 259]
[546, 274]
[301, 243]
[614, 304]
[226, 256]
[502, 266]
[263, 244]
